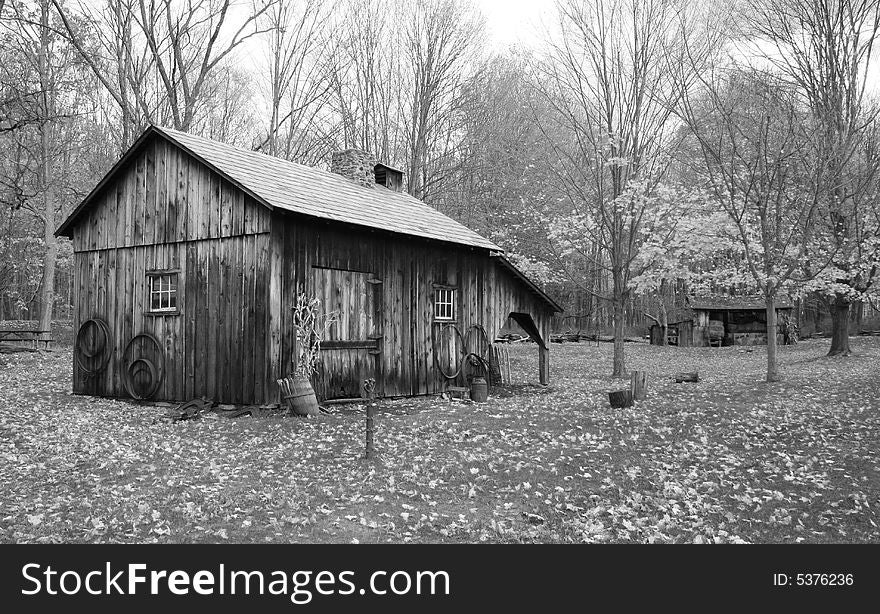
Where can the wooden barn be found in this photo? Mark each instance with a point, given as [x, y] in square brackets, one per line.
[722, 320]
[189, 255]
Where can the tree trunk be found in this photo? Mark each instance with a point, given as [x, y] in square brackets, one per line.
[620, 398]
[772, 369]
[664, 316]
[839, 309]
[619, 359]
[639, 385]
[47, 291]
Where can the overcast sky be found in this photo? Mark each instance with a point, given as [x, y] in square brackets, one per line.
[512, 22]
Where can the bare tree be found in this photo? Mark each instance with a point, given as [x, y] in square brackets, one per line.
[47, 180]
[300, 53]
[367, 84]
[440, 38]
[164, 52]
[43, 66]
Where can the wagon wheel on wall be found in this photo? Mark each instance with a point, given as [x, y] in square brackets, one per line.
[93, 346]
[143, 366]
[449, 373]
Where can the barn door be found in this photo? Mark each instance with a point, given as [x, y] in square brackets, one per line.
[352, 348]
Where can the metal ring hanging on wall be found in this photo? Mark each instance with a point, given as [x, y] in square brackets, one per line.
[132, 367]
[92, 357]
[458, 363]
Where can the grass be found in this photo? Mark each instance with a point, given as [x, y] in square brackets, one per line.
[728, 459]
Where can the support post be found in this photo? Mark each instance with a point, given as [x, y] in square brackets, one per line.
[370, 389]
[544, 364]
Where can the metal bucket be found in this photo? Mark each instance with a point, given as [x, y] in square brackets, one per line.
[479, 390]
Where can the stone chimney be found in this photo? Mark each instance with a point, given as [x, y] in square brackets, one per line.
[355, 165]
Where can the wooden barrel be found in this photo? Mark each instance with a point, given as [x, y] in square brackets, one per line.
[479, 390]
[302, 400]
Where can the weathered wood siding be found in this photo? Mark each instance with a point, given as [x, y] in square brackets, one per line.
[239, 268]
[406, 271]
[166, 211]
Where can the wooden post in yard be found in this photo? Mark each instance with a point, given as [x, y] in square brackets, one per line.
[639, 385]
[370, 389]
[544, 364]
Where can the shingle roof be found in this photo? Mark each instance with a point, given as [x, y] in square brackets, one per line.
[289, 186]
[726, 303]
[322, 194]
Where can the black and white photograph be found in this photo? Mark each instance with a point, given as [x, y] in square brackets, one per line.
[437, 272]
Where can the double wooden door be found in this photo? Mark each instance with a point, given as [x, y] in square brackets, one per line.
[351, 351]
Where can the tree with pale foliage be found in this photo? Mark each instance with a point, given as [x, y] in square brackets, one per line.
[754, 144]
[825, 50]
[609, 80]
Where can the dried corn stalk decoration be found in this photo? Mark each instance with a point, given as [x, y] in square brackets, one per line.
[311, 325]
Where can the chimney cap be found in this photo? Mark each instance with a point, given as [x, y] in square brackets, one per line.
[389, 167]
[388, 176]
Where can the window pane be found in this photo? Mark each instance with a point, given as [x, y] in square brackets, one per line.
[444, 304]
[163, 292]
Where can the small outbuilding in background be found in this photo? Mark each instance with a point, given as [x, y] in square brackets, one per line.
[722, 321]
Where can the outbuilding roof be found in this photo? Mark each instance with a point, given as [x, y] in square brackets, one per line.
[281, 184]
[717, 302]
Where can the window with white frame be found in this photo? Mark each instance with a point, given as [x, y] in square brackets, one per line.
[163, 292]
[444, 304]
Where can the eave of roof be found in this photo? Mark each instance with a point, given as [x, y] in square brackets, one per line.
[506, 263]
[734, 303]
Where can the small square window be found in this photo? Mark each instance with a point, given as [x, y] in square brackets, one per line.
[162, 292]
[444, 304]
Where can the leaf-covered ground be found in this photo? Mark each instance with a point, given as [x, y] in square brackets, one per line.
[728, 459]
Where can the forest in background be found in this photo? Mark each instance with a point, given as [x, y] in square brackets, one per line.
[646, 149]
